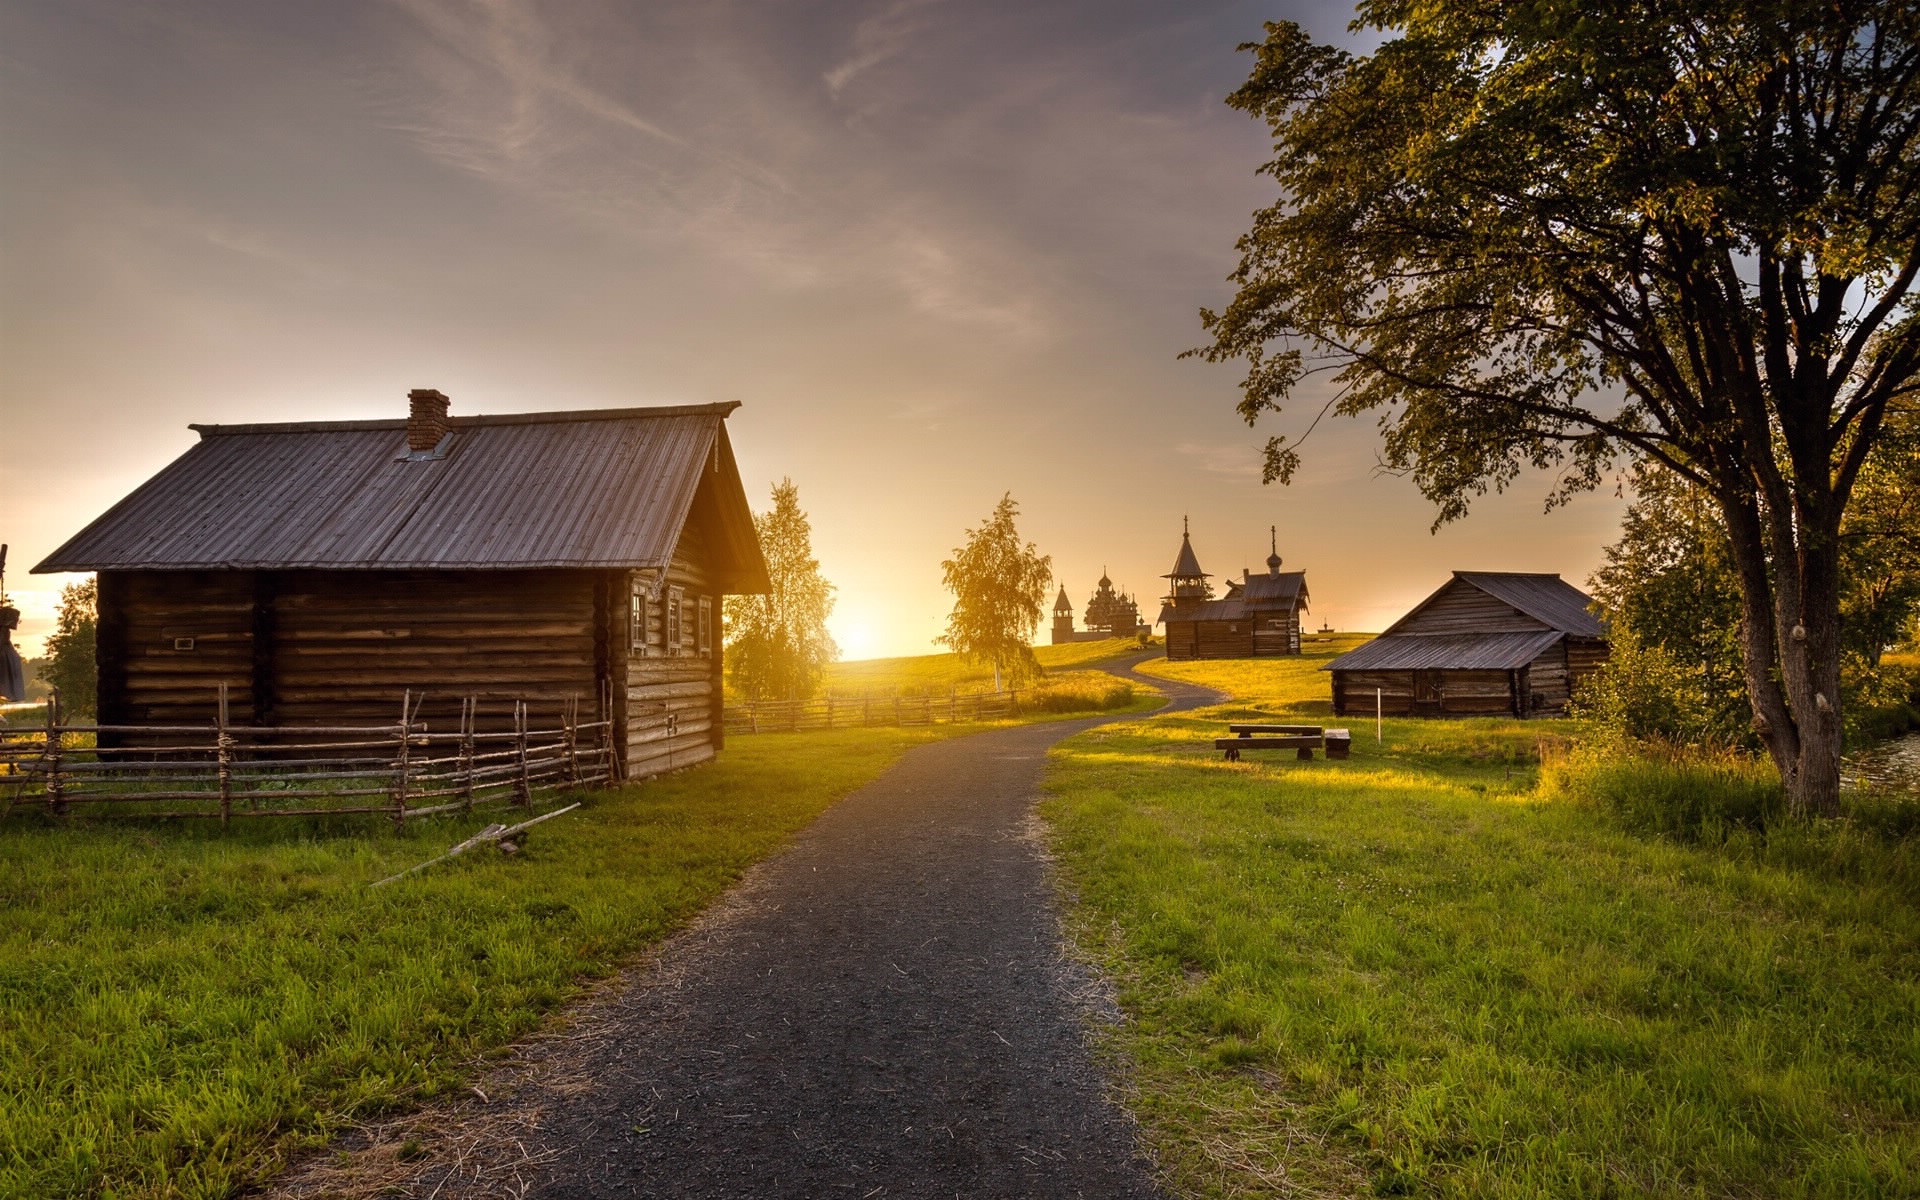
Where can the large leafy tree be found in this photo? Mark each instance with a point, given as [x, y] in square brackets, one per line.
[779, 648]
[999, 591]
[1546, 235]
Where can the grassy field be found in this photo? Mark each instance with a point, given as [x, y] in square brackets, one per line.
[180, 1008]
[1414, 973]
[938, 674]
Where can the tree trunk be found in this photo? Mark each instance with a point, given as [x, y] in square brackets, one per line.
[1790, 647]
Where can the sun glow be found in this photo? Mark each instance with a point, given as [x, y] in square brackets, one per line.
[856, 637]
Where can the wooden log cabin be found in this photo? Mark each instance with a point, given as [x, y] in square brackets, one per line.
[322, 569]
[1259, 617]
[1485, 644]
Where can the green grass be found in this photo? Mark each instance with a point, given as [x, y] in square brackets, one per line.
[1413, 973]
[938, 674]
[180, 1009]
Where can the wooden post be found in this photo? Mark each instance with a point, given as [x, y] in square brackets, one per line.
[573, 758]
[1379, 718]
[829, 712]
[520, 746]
[223, 757]
[753, 715]
[56, 789]
[402, 760]
[469, 716]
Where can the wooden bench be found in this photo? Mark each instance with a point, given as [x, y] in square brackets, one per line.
[1302, 742]
[1287, 730]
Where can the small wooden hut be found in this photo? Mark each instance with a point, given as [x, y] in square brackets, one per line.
[320, 569]
[1485, 644]
[1259, 617]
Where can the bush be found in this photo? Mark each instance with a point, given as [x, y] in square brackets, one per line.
[1652, 787]
[1079, 691]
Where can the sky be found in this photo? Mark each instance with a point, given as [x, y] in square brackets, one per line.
[939, 251]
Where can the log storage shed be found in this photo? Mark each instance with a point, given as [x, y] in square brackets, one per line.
[320, 570]
[1486, 644]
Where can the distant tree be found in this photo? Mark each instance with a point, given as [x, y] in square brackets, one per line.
[71, 665]
[1549, 235]
[1670, 597]
[999, 591]
[779, 648]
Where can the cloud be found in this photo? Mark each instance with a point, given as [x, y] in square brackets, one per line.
[876, 39]
[1234, 462]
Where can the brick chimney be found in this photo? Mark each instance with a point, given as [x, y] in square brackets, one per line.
[426, 419]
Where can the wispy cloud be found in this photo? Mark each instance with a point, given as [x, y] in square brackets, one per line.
[878, 38]
[1232, 461]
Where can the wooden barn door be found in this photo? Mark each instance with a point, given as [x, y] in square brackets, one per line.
[1428, 689]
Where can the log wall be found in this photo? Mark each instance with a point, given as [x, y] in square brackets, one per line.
[341, 647]
[672, 687]
[1425, 693]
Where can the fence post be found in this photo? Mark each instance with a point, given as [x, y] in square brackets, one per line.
[573, 757]
[223, 758]
[829, 712]
[469, 715]
[520, 746]
[56, 790]
[401, 762]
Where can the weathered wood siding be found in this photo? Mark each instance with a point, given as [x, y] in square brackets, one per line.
[672, 687]
[341, 648]
[1462, 608]
[347, 644]
[1425, 693]
[1546, 680]
[144, 616]
[1209, 639]
[1276, 635]
[1584, 657]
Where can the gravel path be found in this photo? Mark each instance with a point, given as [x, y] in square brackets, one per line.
[885, 1011]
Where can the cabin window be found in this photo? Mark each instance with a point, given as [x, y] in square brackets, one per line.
[637, 618]
[705, 641]
[675, 598]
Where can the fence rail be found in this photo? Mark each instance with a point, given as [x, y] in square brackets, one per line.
[227, 772]
[791, 716]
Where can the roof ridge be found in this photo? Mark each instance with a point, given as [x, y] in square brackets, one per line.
[563, 416]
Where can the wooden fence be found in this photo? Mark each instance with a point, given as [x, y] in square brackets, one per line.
[228, 771]
[789, 716]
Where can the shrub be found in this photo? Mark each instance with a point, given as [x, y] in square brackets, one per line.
[1653, 787]
[1078, 691]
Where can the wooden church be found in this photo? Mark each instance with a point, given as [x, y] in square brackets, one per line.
[1259, 617]
[320, 569]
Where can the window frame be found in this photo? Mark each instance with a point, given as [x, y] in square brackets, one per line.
[639, 595]
[675, 622]
[703, 629]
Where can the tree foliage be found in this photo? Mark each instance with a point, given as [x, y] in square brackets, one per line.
[1550, 235]
[999, 591]
[1670, 597]
[779, 648]
[71, 662]
[1880, 544]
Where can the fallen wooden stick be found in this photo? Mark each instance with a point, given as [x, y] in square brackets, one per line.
[492, 833]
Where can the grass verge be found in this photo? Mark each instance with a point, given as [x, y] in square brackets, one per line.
[1413, 973]
[938, 674]
[181, 1009]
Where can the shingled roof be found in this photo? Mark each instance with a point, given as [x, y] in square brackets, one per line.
[1546, 598]
[607, 488]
